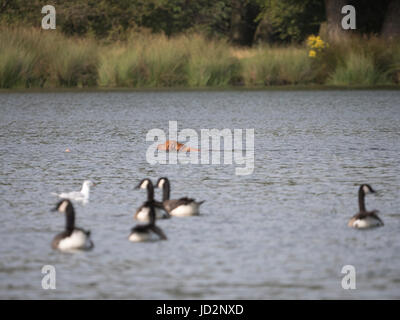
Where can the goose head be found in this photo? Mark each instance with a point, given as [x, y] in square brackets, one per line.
[144, 184]
[366, 189]
[62, 206]
[161, 182]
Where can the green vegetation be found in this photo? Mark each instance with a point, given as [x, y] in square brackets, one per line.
[37, 58]
[196, 44]
[277, 66]
[357, 69]
[211, 63]
[361, 62]
[292, 20]
[243, 22]
[151, 61]
[157, 61]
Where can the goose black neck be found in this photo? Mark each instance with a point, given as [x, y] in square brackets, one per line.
[152, 215]
[70, 218]
[150, 192]
[361, 200]
[166, 190]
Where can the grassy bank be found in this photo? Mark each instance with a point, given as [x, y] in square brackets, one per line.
[31, 58]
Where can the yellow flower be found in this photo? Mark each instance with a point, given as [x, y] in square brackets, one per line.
[316, 44]
[310, 40]
[319, 43]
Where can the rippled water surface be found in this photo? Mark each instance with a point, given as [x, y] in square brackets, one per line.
[278, 233]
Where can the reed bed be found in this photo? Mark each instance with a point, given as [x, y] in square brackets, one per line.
[39, 58]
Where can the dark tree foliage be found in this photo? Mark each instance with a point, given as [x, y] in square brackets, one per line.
[104, 17]
[391, 23]
[292, 20]
[370, 15]
[241, 21]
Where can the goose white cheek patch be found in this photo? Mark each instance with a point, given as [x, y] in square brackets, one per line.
[144, 184]
[161, 183]
[63, 206]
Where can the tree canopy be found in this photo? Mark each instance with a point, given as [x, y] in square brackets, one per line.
[243, 22]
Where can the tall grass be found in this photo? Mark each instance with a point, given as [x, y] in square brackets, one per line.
[153, 61]
[38, 58]
[156, 61]
[14, 65]
[35, 58]
[357, 69]
[211, 63]
[18, 58]
[362, 62]
[76, 63]
[277, 66]
[394, 66]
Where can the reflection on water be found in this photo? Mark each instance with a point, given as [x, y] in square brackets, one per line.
[278, 233]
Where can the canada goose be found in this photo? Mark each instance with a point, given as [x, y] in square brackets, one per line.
[72, 238]
[149, 231]
[365, 219]
[79, 196]
[143, 212]
[172, 145]
[181, 207]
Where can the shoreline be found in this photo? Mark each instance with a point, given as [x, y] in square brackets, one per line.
[202, 89]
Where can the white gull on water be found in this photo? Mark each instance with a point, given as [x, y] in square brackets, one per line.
[79, 196]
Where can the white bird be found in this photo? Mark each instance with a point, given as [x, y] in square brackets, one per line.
[79, 196]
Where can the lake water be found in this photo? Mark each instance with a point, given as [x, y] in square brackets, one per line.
[279, 233]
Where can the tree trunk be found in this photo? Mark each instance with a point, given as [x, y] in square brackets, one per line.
[334, 30]
[238, 23]
[391, 22]
[263, 32]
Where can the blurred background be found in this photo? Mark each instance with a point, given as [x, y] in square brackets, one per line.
[181, 43]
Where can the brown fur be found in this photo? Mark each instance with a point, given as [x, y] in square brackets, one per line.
[172, 145]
